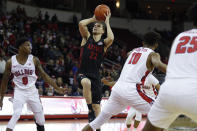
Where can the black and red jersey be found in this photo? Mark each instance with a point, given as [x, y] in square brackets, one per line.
[91, 57]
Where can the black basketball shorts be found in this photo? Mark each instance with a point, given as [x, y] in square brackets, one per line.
[96, 89]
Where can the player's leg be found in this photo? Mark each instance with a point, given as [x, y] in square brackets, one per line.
[130, 115]
[149, 127]
[87, 94]
[39, 120]
[35, 105]
[162, 114]
[96, 96]
[189, 105]
[113, 106]
[96, 90]
[86, 83]
[18, 103]
[138, 118]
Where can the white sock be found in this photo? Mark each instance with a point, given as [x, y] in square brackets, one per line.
[134, 129]
[129, 129]
[100, 120]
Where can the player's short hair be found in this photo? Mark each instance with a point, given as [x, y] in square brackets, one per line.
[20, 41]
[192, 13]
[151, 38]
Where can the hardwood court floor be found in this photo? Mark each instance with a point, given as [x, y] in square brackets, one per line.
[182, 124]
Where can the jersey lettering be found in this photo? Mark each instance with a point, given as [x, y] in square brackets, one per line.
[135, 58]
[93, 55]
[181, 47]
[25, 80]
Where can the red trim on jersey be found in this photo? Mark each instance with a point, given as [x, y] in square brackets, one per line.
[144, 77]
[154, 90]
[143, 95]
[81, 54]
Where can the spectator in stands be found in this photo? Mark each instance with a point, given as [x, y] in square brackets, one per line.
[40, 91]
[71, 78]
[46, 16]
[60, 83]
[40, 84]
[70, 91]
[50, 67]
[54, 18]
[50, 91]
[59, 69]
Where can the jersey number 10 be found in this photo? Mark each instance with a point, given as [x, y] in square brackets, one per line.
[135, 58]
[181, 48]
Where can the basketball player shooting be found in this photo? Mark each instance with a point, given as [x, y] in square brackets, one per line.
[23, 66]
[93, 47]
[137, 67]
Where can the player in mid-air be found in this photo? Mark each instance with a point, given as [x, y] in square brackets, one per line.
[150, 91]
[137, 67]
[180, 78]
[93, 47]
[23, 66]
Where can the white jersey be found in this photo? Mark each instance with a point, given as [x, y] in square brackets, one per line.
[135, 70]
[182, 62]
[24, 75]
[150, 82]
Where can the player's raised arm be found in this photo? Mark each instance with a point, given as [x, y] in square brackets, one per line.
[110, 35]
[4, 81]
[46, 77]
[83, 29]
[156, 61]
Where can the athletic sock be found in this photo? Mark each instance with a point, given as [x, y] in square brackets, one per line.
[91, 115]
[39, 127]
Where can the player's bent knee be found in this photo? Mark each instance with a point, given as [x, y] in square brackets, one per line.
[86, 83]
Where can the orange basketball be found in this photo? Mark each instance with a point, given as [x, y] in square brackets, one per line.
[100, 12]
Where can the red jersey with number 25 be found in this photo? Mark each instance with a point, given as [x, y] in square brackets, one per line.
[135, 69]
[24, 75]
[183, 56]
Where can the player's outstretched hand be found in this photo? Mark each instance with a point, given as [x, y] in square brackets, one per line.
[94, 17]
[107, 16]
